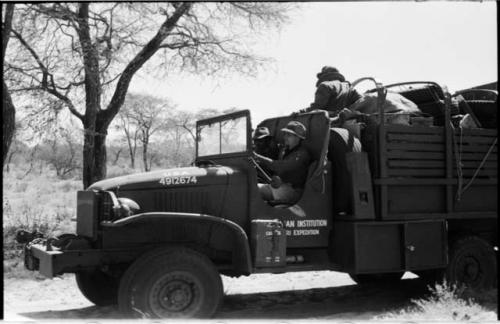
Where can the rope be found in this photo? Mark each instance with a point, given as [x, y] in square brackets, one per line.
[458, 160]
[480, 166]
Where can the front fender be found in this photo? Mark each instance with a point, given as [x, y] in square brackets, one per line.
[173, 227]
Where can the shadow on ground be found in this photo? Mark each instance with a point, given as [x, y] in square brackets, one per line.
[341, 302]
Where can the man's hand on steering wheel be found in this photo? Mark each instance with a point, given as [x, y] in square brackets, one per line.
[261, 174]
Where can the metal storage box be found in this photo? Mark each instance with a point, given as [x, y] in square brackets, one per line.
[268, 243]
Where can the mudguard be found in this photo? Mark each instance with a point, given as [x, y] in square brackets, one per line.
[173, 226]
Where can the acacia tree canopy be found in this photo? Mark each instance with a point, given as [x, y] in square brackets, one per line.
[86, 54]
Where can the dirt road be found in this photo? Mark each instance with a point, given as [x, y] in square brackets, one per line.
[306, 295]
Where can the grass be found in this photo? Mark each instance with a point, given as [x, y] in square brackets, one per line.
[449, 303]
[38, 202]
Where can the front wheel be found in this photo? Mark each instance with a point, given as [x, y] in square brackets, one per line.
[472, 263]
[363, 279]
[171, 282]
[98, 287]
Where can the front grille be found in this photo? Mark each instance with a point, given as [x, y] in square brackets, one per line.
[105, 208]
[181, 201]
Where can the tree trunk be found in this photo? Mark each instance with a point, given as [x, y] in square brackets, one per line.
[132, 161]
[8, 110]
[9, 159]
[131, 150]
[94, 158]
[94, 139]
[100, 168]
[117, 156]
[145, 156]
[9, 122]
[151, 160]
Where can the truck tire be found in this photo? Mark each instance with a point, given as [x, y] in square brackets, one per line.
[171, 282]
[98, 287]
[431, 277]
[363, 279]
[472, 263]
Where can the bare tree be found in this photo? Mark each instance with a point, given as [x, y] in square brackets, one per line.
[131, 131]
[60, 152]
[92, 51]
[145, 116]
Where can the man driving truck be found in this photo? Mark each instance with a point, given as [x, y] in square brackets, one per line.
[291, 166]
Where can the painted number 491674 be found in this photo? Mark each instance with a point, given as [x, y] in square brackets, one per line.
[175, 180]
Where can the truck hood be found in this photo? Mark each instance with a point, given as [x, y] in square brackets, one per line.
[168, 178]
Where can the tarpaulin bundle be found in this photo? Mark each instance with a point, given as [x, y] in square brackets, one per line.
[394, 103]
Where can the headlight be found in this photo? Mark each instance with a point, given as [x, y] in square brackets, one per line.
[128, 207]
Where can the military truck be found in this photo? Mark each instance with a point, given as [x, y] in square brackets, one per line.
[417, 197]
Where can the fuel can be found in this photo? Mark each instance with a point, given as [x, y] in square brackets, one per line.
[268, 243]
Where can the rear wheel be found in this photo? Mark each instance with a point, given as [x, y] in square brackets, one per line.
[431, 277]
[98, 287]
[472, 263]
[363, 279]
[171, 283]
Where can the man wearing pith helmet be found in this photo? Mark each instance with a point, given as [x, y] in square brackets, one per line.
[291, 166]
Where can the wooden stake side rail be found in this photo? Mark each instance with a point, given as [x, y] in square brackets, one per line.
[428, 159]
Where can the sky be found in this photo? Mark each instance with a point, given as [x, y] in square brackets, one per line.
[451, 43]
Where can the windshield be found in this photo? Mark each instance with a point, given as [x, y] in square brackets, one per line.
[222, 135]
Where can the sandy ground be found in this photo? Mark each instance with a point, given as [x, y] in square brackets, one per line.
[324, 295]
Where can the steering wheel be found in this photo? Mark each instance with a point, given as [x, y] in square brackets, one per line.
[274, 181]
[261, 174]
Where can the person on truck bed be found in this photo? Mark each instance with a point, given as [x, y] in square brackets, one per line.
[291, 166]
[335, 95]
[333, 92]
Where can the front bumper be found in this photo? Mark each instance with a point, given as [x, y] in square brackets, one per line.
[51, 261]
[36, 257]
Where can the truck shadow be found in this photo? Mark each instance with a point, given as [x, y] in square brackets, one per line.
[340, 302]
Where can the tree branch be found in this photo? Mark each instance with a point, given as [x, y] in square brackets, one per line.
[142, 57]
[45, 75]
[6, 28]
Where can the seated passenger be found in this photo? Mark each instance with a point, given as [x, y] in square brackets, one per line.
[291, 166]
[264, 143]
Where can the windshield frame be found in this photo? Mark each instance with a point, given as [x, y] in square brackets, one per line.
[219, 119]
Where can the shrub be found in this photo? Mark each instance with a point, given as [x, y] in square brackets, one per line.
[119, 170]
[38, 202]
[445, 302]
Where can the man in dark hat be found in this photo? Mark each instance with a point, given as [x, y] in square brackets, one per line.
[333, 92]
[291, 166]
[264, 143]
